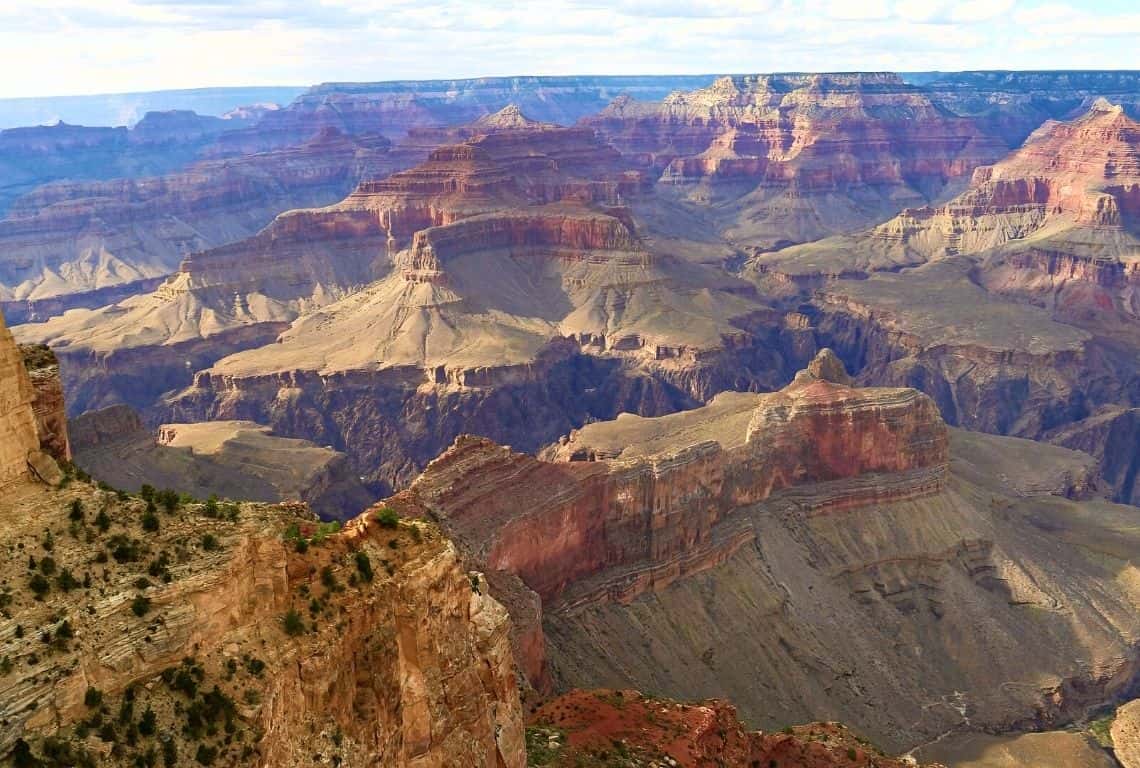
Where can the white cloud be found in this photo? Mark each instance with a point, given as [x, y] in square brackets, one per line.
[88, 46]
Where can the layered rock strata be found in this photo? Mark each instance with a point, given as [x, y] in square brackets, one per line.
[48, 403]
[410, 666]
[230, 459]
[18, 436]
[775, 549]
[790, 158]
[79, 244]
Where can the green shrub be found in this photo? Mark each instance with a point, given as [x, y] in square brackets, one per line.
[147, 492]
[102, 521]
[76, 510]
[292, 623]
[65, 581]
[47, 566]
[150, 521]
[210, 544]
[39, 586]
[93, 698]
[364, 566]
[148, 722]
[211, 508]
[140, 606]
[387, 518]
[206, 755]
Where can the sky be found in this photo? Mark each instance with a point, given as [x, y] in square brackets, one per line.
[65, 47]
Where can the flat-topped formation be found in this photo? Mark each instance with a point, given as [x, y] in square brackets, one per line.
[591, 506]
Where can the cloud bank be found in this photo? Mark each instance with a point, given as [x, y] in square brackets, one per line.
[56, 47]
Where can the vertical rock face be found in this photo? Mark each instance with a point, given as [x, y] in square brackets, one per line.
[406, 663]
[18, 437]
[48, 404]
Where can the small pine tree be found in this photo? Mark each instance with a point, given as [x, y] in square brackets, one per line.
[150, 520]
[103, 520]
[76, 513]
[292, 623]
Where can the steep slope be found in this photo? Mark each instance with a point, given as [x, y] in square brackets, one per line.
[85, 244]
[18, 436]
[821, 552]
[791, 158]
[483, 290]
[629, 729]
[1015, 304]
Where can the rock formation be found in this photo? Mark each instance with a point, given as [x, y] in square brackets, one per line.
[584, 726]
[791, 158]
[18, 436]
[1014, 304]
[48, 402]
[230, 459]
[504, 275]
[86, 244]
[773, 549]
[408, 666]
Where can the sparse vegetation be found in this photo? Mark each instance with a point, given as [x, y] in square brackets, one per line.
[292, 623]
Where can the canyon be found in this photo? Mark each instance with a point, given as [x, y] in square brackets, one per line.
[821, 549]
[818, 394]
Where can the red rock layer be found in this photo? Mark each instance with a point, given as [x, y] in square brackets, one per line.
[583, 726]
[814, 132]
[557, 523]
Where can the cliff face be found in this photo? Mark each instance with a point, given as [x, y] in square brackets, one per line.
[790, 158]
[18, 435]
[1013, 305]
[660, 507]
[48, 403]
[773, 549]
[76, 244]
[410, 666]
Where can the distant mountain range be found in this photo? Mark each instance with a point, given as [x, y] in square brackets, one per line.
[128, 108]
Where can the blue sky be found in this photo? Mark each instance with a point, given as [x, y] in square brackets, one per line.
[58, 47]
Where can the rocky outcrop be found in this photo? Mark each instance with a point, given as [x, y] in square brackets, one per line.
[75, 244]
[399, 107]
[230, 459]
[1126, 734]
[409, 665]
[48, 403]
[775, 548]
[589, 725]
[664, 494]
[18, 437]
[791, 158]
[1111, 435]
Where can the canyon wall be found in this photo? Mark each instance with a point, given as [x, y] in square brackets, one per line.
[18, 435]
[409, 667]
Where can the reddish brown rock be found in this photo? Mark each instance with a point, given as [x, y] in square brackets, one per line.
[84, 244]
[583, 726]
[790, 158]
[48, 404]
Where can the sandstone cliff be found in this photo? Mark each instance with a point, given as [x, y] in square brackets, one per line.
[85, 244]
[791, 158]
[631, 729]
[774, 549]
[386, 655]
[48, 403]
[1014, 304]
[18, 436]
